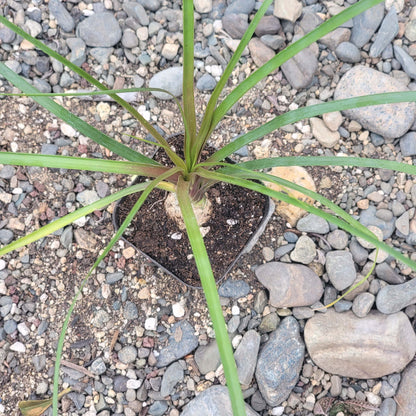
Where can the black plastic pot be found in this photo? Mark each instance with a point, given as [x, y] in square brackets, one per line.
[268, 212]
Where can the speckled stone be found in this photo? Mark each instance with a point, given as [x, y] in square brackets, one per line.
[280, 362]
[379, 119]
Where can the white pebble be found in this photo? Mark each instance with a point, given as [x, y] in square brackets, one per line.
[150, 324]
[178, 310]
[2, 264]
[67, 130]
[133, 384]
[18, 347]
[236, 341]
[23, 329]
[278, 411]
[235, 310]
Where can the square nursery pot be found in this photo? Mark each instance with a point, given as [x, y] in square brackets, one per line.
[238, 218]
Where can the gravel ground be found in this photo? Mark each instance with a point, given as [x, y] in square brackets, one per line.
[140, 343]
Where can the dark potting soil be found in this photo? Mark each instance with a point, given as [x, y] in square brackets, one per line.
[236, 214]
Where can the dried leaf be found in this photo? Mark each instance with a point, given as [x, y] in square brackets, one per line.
[37, 407]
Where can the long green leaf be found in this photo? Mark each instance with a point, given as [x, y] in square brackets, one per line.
[148, 187]
[288, 53]
[209, 111]
[213, 300]
[309, 208]
[74, 121]
[322, 161]
[81, 163]
[188, 77]
[311, 111]
[70, 218]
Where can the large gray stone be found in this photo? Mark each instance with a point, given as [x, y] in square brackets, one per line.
[369, 347]
[387, 32]
[290, 284]
[340, 268]
[380, 119]
[280, 362]
[365, 25]
[214, 401]
[170, 80]
[62, 16]
[406, 394]
[394, 298]
[99, 30]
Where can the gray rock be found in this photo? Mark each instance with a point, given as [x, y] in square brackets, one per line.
[233, 324]
[240, 7]
[388, 274]
[362, 304]
[280, 362]
[169, 79]
[181, 342]
[120, 384]
[406, 61]
[39, 362]
[158, 408]
[152, 5]
[348, 52]
[10, 326]
[49, 149]
[115, 277]
[300, 70]
[269, 322]
[273, 41]
[62, 16]
[42, 85]
[269, 25]
[130, 311]
[338, 239]
[403, 224]
[6, 236]
[305, 250]
[206, 83]
[235, 25]
[335, 38]
[129, 39]
[207, 357]
[173, 375]
[246, 357]
[369, 217]
[137, 11]
[7, 172]
[98, 366]
[213, 401]
[290, 284]
[408, 144]
[380, 119]
[260, 53]
[406, 394]
[388, 408]
[394, 298]
[366, 24]
[6, 35]
[78, 51]
[234, 289]
[387, 32]
[339, 343]
[87, 197]
[340, 268]
[311, 223]
[99, 30]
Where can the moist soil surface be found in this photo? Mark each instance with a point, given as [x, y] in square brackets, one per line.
[236, 215]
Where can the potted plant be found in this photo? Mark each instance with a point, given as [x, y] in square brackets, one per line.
[188, 175]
